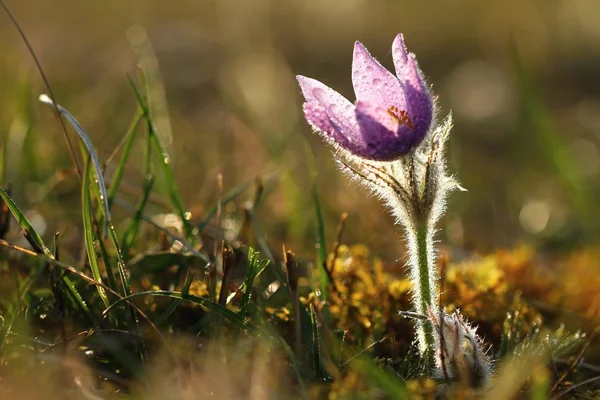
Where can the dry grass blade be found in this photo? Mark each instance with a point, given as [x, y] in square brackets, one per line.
[46, 83]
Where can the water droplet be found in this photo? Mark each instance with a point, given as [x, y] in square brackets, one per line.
[318, 93]
[187, 215]
[369, 68]
[377, 82]
[332, 108]
[167, 160]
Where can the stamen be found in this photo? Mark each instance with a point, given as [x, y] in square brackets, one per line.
[401, 116]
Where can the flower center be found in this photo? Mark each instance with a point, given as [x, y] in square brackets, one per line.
[401, 116]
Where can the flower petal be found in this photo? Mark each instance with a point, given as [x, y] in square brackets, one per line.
[418, 97]
[338, 107]
[405, 63]
[316, 115]
[329, 112]
[385, 138]
[373, 83]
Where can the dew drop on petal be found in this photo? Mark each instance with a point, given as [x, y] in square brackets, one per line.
[377, 82]
[332, 108]
[318, 93]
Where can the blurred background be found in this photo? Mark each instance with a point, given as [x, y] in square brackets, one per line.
[521, 78]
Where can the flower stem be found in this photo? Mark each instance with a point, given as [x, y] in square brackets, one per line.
[425, 286]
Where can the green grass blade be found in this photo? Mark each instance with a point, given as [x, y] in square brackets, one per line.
[118, 175]
[121, 268]
[238, 321]
[91, 151]
[150, 127]
[165, 162]
[187, 245]
[255, 267]
[110, 274]
[133, 228]
[77, 300]
[316, 344]
[177, 302]
[36, 240]
[320, 233]
[26, 226]
[121, 318]
[88, 231]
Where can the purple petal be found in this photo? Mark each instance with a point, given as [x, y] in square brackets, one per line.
[385, 138]
[400, 55]
[329, 112]
[373, 83]
[316, 115]
[392, 114]
[418, 98]
[337, 106]
[405, 63]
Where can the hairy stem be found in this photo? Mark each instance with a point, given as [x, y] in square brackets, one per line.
[425, 290]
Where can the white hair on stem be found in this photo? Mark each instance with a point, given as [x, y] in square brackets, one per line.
[414, 188]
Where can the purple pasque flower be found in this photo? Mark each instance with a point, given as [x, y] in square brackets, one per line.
[391, 116]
